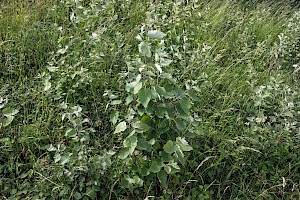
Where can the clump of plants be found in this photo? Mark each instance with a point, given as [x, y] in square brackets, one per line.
[149, 99]
[152, 116]
[288, 47]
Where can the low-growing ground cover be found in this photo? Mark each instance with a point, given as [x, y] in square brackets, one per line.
[149, 99]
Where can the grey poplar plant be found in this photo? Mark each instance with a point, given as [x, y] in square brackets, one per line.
[152, 114]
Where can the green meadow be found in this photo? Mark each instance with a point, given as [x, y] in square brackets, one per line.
[149, 99]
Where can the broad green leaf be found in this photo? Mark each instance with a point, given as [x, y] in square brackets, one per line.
[158, 67]
[77, 122]
[62, 50]
[168, 76]
[53, 69]
[57, 157]
[180, 124]
[183, 144]
[112, 96]
[169, 147]
[165, 62]
[131, 85]
[137, 181]
[156, 166]
[145, 49]
[47, 85]
[170, 110]
[143, 144]
[160, 110]
[140, 110]
[137, 87]
[178, 92]
[154, 94]
[162, 177]
[149, 73]
[7, 112]
[7, 121]
[51, 148]
[168, 169]
[126, 184]
[129, 182]
[114, 117]
[24, 175]
[61, 147]
[138, 78]
[156, 34]
[160, 90]
[193, 96]
[120, 127]
[116, 102]
[124, 153]
[142, 127]
[180, 156]
[144, 96]
[128, 100]
[152, 141]
[70, 132]
[172, 168]
[145, 119]
[64, 160]
[185, 104]
[145, 171]
[77, 195]
[174, 165]
[131, 143]
[166, 157]
[91, 192]
[76, 110]
[139, 38]
[180, 110]
[64, 105]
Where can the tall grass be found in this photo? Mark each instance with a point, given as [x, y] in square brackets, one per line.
[62, 64]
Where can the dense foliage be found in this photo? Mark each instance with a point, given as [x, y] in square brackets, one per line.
[127, 99]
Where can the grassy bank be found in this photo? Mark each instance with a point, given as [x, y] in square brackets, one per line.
[149, 100]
